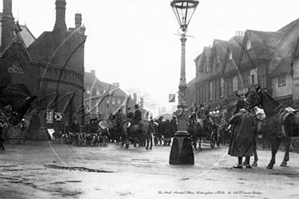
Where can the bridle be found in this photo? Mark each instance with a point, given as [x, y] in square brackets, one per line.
[257, 97]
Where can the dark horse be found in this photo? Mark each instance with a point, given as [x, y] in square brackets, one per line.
[282, 123]
[194, 128]
[134, 132]
[15, 100]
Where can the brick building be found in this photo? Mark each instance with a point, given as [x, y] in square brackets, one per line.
[51, 66]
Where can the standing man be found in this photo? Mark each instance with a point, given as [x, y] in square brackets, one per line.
[243, 134]
[75, 126]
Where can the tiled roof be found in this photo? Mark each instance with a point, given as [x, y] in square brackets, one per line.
[27, 36]
[235, 47]
[285, 50]
[296, 51]
[48, 49]
[207, 51]
[221, 47]
[264, 43]
[289, 27]
[283, 66]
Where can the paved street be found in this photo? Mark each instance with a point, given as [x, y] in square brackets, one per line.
[42, 169]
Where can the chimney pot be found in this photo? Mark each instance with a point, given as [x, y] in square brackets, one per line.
[78, 20]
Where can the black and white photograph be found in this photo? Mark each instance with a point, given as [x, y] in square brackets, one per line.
[143, 99]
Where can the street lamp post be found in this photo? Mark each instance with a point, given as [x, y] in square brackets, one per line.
[181, 151]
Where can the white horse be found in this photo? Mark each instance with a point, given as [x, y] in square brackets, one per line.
[25, 123]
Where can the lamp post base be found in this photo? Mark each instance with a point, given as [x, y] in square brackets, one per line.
[181, 150]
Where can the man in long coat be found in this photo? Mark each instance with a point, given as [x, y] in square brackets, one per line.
[242, 137]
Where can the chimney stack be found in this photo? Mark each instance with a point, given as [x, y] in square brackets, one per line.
[78, 19]
[60, 23]
[8, 24]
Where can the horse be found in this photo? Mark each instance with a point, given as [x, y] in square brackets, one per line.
[194, 128]
[282, 123]
[3, 130]
[25, 123]
[133, 133]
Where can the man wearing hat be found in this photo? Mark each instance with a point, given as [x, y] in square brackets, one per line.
[243, 133]
[137, 115]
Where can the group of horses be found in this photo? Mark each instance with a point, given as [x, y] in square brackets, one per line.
[201, 127]
[281, 123]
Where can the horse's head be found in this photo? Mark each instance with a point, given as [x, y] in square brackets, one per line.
[254, 98]
[242, 102]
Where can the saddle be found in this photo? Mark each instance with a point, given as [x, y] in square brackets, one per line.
[281, 117]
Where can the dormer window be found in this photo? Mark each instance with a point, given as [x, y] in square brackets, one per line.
[217, 61]
[248, 45]
[229, 55]
[206, 66]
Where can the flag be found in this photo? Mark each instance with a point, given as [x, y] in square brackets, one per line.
[171, 97]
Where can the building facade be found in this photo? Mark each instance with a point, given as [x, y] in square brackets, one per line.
[249, 59]
[51, 66]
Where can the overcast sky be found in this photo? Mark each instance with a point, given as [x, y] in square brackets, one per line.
[134, 42]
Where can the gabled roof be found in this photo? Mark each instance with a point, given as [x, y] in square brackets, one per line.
[234, 45]
[207, 51]
[283, 57]
[204, 55]
[27, 36]
[263, 43]
[220, 46]
[235, 48]
[16, 41]
[289, 27]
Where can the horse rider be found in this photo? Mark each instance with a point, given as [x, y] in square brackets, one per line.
[136, 118]
[243, 134]
[129, 113]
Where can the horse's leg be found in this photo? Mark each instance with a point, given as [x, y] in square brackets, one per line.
[20, 137]
[1, 139]
[147, 142]
[254, 164]
[151, 142]
[286, 143]
[275, 142]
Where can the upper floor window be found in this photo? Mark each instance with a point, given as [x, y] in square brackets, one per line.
[235, 84]
[210, 90]
[88, 91]
[229, 55]
[281, 81]
[248, 45]
[253, 77]
[206, 66]
[221, 87]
